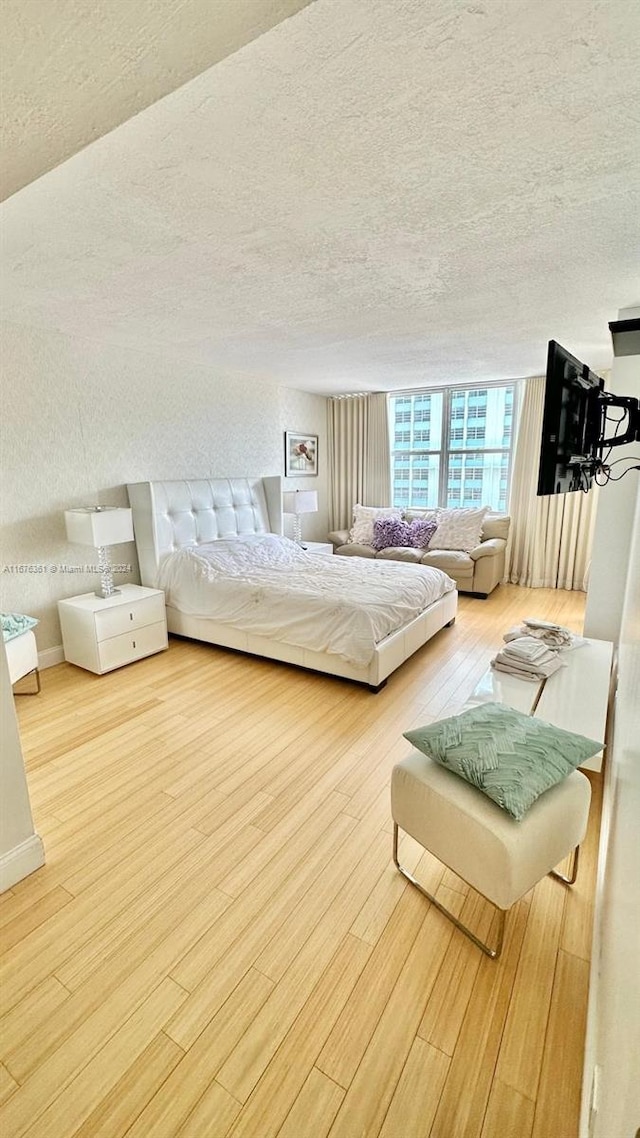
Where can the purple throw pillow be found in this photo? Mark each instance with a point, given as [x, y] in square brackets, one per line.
[421, 532]
[390, 531]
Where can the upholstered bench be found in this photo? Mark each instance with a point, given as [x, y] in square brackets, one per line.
[22, 659]
[501, 858]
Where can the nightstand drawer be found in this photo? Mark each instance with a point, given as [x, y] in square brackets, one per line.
[129, 646]
[126, 618]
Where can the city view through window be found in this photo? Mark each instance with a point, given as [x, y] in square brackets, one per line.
[452, 446]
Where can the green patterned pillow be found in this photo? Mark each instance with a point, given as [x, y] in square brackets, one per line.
[15, 623]
[510, 757]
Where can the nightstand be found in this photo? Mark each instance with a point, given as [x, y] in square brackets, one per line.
[103, 633]
[321, 547]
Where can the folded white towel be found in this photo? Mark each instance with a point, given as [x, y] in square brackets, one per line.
[554, 637]
[544, 625]
[512, 671]
[527, 648]
[527, 661]
[527, 671]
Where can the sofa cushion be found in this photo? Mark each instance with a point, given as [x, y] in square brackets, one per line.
[402, 553]
[459, 528]
[338, 537]
[354, 549]
[455, 562]
[495, 525]
[490, 548]
[363, 518]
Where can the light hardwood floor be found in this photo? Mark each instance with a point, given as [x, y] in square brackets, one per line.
[219, 944]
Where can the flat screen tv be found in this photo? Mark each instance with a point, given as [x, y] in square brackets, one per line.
[571, 424]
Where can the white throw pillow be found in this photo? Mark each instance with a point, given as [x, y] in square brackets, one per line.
[428, 514]
[459, 528]
[361, 531]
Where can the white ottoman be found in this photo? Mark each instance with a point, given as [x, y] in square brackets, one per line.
[501, 858]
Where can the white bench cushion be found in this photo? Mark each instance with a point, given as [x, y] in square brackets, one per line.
[22, 655]
[496, 855]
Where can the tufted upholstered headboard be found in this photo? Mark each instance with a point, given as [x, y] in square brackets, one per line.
[169, 515]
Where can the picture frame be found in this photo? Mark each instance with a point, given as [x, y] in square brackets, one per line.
[300, 455]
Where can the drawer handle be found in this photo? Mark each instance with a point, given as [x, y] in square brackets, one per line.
[130, 616]
[134, 643]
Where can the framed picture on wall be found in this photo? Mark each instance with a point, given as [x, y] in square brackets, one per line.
[300, 454]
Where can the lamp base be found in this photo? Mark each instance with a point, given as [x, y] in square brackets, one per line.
[297, 529]
[106, 594]
[107, 588]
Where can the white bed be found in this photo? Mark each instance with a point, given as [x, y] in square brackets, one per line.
[188, 532]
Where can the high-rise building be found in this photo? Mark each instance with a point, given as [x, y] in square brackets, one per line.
[452, 447]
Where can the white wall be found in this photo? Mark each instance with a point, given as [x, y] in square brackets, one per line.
[21, 849]
[613, 612]
[614, 519]
[613, 1032]
[81, 418]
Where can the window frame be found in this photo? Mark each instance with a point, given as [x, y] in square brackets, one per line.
[446, 451]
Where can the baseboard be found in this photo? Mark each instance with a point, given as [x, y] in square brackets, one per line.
[21, 861]
[50, 657]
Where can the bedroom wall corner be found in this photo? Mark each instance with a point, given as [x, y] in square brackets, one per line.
[83, 417]
[305, 413]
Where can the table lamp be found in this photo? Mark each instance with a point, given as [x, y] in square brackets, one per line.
[100, 526]
[299, 502]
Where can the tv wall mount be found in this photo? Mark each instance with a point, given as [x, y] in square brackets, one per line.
[599, 445]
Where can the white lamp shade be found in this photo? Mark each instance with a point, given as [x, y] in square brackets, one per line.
[300, 502]
[106, 525]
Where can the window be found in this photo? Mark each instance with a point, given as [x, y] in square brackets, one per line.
[452, 446]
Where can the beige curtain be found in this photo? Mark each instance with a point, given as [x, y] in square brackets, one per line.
[359, 455]
[550, 539]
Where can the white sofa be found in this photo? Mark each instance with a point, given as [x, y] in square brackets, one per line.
[477, 572]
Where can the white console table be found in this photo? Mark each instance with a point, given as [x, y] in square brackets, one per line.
[575, 697]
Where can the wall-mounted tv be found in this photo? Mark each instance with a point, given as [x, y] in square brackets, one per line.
[570, 422]
[574, 424]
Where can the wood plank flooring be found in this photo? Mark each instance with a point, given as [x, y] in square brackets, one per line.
[219, 945]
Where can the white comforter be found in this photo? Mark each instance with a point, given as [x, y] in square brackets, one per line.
[269, 586]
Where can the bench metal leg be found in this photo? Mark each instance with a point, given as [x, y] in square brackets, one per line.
[494, 952]
[34, 672]
[573, 872]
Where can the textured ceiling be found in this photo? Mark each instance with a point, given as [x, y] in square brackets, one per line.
[375, 194]
[71, 70]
